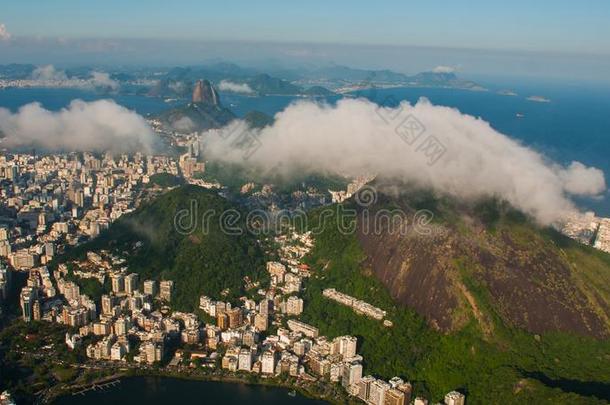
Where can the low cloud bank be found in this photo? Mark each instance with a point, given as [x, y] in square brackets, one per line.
[102, 79]
[433, 146]
[226, 85]
[444, 69]
[48, 75]
[82, 126]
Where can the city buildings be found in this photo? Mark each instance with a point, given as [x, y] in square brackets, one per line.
[150, 287]
[166, 289]
[268, 361]
[352, 373]
[231, 336]
[359, 306]
[4, 282]
[455, 398]
[602, 241]
[27, 298]
[294, 305]
[301, 327]
[131, 283]
[377, 392]
[589, 230]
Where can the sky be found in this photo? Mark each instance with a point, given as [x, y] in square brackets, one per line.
[556, 38]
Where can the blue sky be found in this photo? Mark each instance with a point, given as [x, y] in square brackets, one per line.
[535, 28]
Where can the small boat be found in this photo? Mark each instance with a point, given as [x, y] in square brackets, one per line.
[292, 393]
[519, 115]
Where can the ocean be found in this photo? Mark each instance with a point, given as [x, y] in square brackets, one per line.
[573, 125]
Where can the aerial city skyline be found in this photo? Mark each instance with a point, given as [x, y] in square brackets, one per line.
[346, 202]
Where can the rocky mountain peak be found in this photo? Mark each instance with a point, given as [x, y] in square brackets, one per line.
[205, 93]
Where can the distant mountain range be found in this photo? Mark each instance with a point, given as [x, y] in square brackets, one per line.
[324, 81]
[178, 82]
[209, 113]
[16, 71]
[338, 76]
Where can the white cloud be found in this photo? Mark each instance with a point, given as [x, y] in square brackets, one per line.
[50, 76]
[4, 34]
[184, 124]
[83, 126]
[356, 136]
[226, 85]
[102, 79]
[444, 69]
[582, 180]
[177, 87]
[48, 73]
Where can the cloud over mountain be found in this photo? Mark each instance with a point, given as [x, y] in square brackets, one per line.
[102, 79]
[444, 69]
[47, 73]
[226, 85]
[83, 126]
[433, 146]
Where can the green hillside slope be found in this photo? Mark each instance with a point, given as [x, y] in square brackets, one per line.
[486, 354]
[200, 259]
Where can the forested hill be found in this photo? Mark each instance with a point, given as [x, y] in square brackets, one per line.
[197, 255]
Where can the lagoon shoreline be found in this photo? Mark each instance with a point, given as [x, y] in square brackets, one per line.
[304, 390]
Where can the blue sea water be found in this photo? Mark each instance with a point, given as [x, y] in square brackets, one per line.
[56, 99]
[574, 125]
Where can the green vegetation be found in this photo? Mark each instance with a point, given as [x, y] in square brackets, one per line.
[511, 366]
[233, 176]
[318, 91]
[178, 237]
[34, 357]
[265, 84]
[165, 180]
[91, 286]
[258, 119]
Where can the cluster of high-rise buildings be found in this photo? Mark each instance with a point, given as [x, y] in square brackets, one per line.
[61, 200]
[38, 294]
[127, 313]
[602, 239]
[589, 229]
[52, 201]
[296, 348]
[133, 322]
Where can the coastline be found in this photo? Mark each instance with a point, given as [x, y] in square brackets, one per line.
[301, 389]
